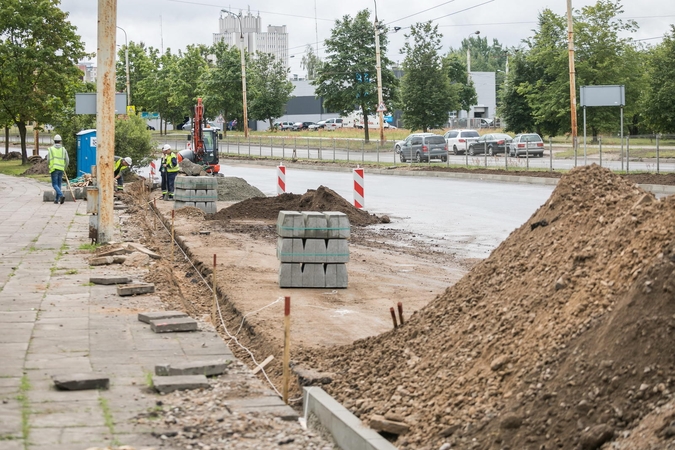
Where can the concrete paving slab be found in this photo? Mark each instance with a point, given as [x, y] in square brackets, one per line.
[135, 289]
[109, 280]
[147, 317]
[179, 383]
[81, 381]
[207, 368]
[18, 316]
[174, 325]
[80, 364]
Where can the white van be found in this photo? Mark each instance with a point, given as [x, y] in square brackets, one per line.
[355, 120]
[333, 124]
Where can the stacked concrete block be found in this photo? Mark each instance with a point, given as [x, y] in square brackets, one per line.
[313, 249]
[198, 192]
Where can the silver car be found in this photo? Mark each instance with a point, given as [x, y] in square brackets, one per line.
[529, 144]
[424, 148]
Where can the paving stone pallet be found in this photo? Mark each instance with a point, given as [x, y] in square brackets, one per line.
[313, 249]
[198, 192]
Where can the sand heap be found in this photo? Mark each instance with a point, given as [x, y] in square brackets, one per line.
[322, 199]
[562, 338]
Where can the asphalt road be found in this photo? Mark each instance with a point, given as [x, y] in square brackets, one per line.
[466, 217]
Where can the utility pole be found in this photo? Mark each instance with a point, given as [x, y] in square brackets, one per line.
[378, 68]
[105, 116]
[573, 89]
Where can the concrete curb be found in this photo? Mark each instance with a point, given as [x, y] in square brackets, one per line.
[346, 429]
[654, 188]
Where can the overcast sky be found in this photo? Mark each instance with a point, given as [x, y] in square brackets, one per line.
[176, 23]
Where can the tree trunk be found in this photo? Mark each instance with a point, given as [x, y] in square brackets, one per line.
[6, 140]
[22, 135]
[365, 127]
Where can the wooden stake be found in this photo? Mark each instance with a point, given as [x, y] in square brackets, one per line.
[154, 216]
[400, 312]
[262, 365]
[214, 313]
[287, 347]
[173, 213]
[393, 316]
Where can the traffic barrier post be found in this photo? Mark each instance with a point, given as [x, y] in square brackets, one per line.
[359, 194]
[281, 179]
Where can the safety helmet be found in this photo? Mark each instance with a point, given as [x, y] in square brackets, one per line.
[57, 138]
[166, 147]
[127, 160]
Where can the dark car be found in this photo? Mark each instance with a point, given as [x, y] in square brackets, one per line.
[424, 148]
[529, 144]
[297, 126]
[150, 128]
[492, 144]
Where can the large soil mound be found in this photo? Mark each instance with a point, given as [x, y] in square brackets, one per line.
[562, 338]
[322, 199]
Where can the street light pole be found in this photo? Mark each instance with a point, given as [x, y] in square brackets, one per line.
[126, 58]
[468, 68]
[243, 70]
[378, 68]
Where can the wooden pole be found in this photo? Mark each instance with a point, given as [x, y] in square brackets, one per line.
[154, 216]
[573, 89]
[173, 214]
[393, 316]
[400, 312]
[287, 347]
[214, 313]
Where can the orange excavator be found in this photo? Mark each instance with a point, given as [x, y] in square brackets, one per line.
[202, 143]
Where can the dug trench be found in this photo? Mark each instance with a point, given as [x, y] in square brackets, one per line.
[561, 338]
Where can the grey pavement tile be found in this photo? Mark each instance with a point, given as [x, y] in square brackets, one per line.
[86, 435]
[16, 336]
[64, 312]
[15, 348]
[14, 444]
[55, 395]
[59, 332]
[52, 323]
[116, 370]
[49, 354]
[17, 316]
[9, 382]
[20, 305]
[72, 364]
[12, 368]
[66, 414]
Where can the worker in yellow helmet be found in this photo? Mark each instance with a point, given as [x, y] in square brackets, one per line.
[120, 165]
[57, 158]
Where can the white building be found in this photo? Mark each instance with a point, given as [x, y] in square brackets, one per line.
[274, 40]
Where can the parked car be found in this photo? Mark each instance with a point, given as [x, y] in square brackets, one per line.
[529, 144]
[283, 125]
[150, 128]
[459, 140]
[333, 124]
[492, 144]
[424, 148]
[399, 144]
[297, 126]
[317, 126]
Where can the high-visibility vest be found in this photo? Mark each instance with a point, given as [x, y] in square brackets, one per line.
[57, 159]
[118, 165]
[169, 163]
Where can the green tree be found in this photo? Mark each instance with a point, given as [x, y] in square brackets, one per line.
[39, 50]
[270, 89]
[658, 102]
[133, 139]
[460, 84]
[157, 90]
[186, 86]
[515, 111]
[310, 62]
[143, 63]
[426, 96]
[221, 83]
[347, 78]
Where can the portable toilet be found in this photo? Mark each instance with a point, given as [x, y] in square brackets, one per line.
[86, 151]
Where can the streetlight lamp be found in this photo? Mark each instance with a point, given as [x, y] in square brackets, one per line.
[243, 69]
[468, 52]
[378, 68]
[126, 58]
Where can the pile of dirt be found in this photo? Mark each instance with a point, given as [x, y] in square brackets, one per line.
[562, 338]
[11, 155]
[322, 199]
[234, 189]
[40, 168]
[190, 212]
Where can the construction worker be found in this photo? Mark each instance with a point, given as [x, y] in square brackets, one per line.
[121, 164]
[169, 170]
[58, 160]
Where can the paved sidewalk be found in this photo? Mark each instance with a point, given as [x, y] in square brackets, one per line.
[54, 322]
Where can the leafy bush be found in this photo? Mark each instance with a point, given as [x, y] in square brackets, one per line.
[133, 139]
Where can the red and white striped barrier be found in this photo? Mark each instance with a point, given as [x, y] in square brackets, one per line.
[153, 168]
[358, 188]
[281, 179]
